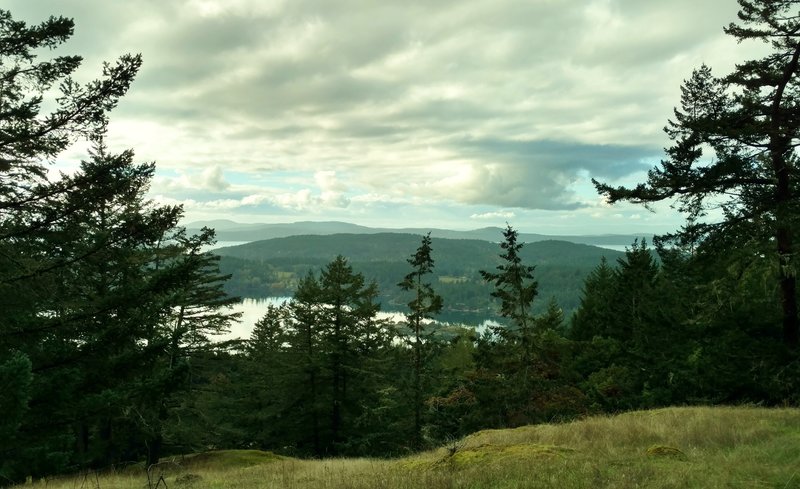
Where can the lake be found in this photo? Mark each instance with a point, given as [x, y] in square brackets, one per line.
[254, 309]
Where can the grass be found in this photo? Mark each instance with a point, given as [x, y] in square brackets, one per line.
[666, 448]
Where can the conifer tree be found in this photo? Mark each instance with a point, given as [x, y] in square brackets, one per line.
[516, 289]
[749, 121]
[594, 315]
[424, 305]
[29, 138]
[348, 319]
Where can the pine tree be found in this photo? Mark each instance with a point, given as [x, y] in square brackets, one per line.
[423, 306]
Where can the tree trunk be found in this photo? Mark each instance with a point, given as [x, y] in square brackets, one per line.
[779, 147]
[417, 438]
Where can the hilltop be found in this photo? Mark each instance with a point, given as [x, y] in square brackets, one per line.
[709, 447]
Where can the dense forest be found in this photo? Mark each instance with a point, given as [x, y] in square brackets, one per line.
[274, 267]
[109, 307]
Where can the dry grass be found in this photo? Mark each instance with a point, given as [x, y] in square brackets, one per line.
[665, 448]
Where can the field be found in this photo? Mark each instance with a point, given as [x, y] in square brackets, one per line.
[666, 448]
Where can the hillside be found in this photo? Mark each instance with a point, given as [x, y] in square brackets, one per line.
[272, 267]
[233, 231]
[709, 447]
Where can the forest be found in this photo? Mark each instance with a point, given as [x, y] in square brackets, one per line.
[274, 267]
[110, 308]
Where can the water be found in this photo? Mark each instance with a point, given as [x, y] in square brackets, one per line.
[254, 309]
[614, 247]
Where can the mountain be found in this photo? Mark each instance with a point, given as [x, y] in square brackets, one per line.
[273, 267]
[232, 231]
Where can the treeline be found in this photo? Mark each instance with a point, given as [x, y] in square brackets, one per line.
[321, 376]
[104, 299]
[109, 307]
[275, 267]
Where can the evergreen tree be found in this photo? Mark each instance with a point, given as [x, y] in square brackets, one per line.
[516, 289]
[349, 323]
[29, 206]
[321, 361]
[423, 306]
[594, 315]
[749, 121]
[307, 362]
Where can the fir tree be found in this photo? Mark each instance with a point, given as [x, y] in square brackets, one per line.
[749, 121]
[423, 306]
[516, 289]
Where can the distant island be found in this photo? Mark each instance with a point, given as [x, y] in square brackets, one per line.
[244, 232]
[273, 267]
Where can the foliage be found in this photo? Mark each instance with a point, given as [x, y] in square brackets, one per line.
[105, 298]
[748, 120]
[424, 304]
[274, 267]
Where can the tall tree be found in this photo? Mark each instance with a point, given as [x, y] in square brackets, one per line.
[132, 299]
[348, 319]
[423, 306]
[516, 289]
[749, 119]
[28, 139]
[29, 206]
[306, 358]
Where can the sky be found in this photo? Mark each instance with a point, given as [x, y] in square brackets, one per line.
[436, 113]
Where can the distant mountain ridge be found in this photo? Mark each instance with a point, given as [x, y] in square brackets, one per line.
[233, 231]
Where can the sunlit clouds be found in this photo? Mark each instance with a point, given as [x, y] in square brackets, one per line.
[453, 114]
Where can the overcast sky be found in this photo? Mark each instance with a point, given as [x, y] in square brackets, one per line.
[457, 114]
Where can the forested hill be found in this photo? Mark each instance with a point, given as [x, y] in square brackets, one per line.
[273, 267]
[234, 231]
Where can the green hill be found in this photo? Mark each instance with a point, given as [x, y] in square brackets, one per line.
[273, 267]
[666, 448]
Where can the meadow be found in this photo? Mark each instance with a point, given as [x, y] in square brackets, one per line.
[708, 447]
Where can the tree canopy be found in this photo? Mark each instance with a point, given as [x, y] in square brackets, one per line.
[748, 121]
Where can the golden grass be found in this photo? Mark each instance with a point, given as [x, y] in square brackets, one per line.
[666, 448]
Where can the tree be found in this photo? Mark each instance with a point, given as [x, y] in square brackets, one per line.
[349, 322]
[27, 139]
[516, 289]
[28, 201]
[131, 299]
[423, 306]
[307, 363]
[105, 298]
[594, 315]
[316, 356]
[749, 120]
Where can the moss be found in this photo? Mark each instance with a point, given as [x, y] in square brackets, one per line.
[415, 464]
[665, 451]
[230, 458]
[489, 454]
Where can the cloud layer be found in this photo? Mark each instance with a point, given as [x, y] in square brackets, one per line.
[349, 109]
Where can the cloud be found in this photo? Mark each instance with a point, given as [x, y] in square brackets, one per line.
[468, 103]
[494, 215]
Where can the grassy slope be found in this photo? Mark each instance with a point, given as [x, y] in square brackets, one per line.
[677, 447]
